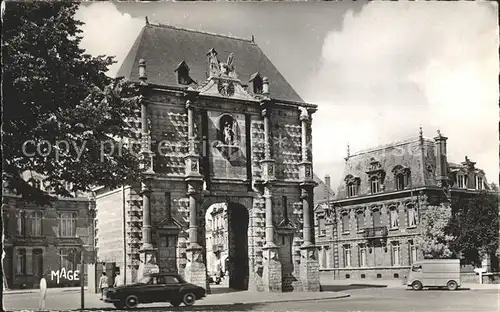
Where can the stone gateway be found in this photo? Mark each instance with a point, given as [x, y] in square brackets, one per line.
[234, 134]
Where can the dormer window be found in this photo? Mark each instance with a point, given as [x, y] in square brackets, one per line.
[352, 185]
[461, 181]
[182, 71]
[376, 176]
[256, 83]
[352, 190]
[375, 185]
[401, 177]
[479, 183]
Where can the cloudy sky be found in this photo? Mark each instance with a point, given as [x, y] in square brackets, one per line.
[377, 70]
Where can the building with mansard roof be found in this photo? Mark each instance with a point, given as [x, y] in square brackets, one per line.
[368, 231]
[219, 125]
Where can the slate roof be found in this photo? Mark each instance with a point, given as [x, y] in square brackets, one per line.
[320, 191]
[164, 47]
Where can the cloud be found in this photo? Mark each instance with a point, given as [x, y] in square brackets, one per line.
[107, 31]
[398, 65]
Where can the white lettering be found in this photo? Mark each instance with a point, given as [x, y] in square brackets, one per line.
[56, 274]
[63, 273]
[69, 275]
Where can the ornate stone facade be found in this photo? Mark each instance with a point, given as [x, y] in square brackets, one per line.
[215, 140]
[368, 231]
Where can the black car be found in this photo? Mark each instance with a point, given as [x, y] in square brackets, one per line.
[155, 288]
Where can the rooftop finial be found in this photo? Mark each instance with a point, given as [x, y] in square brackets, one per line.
[439, 132]
[147, 21]
[421, 133]
[253, 38]
[348, 150]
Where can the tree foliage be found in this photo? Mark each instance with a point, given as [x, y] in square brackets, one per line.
[54, 92]
[475, 224]
[434, 240]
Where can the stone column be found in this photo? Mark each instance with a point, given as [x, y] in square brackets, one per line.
[195, 271]
[309, 265]
[148, 252]
[272, 275]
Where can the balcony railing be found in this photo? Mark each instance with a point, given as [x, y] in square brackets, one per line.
[376, 231]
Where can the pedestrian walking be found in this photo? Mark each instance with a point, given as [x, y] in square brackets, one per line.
[103, 284]
[43, 293]
[118, 280]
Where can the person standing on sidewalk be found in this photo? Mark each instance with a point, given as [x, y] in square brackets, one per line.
[118, 280]
[43, 293]
[103, 284]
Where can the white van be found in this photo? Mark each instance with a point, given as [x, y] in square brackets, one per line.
[434, 273]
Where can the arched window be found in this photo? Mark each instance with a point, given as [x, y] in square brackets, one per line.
[375, 185]
[352, 185]
[401, 177]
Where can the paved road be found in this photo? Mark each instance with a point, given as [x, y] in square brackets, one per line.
[362, 299]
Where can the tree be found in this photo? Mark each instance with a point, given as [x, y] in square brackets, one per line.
[475, 224]
[434, 239]
[60, 110]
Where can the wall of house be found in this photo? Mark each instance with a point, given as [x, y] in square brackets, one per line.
[48, 242]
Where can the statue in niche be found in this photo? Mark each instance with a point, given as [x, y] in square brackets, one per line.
[228, 134]
[229, 130]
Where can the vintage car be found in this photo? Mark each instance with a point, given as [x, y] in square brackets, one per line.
[155, 288]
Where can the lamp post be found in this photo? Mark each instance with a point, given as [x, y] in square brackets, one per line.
[82, 277]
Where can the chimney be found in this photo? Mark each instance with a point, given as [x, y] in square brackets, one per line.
[327, 187]
[441, 159]
[265, 86]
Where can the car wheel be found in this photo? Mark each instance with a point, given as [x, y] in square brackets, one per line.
[175, 303]
[131, 301]
[452, 285]
[188, 299]
[417, 285]
[118, 305]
